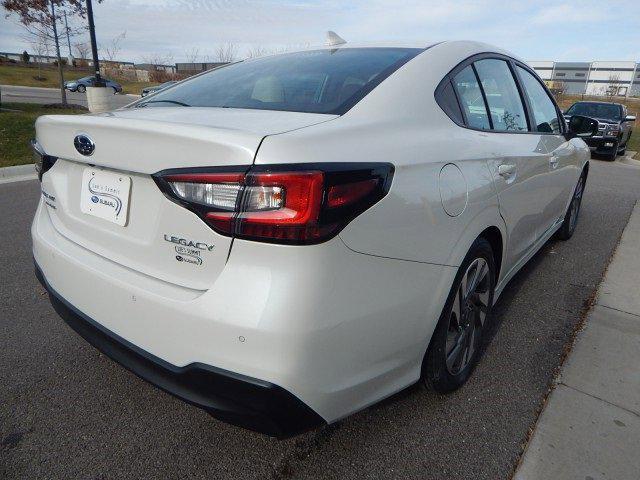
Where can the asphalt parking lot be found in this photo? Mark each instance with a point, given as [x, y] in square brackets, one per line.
[13, 93]
[67, 411]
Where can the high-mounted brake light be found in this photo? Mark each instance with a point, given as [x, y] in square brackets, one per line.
[292, 204]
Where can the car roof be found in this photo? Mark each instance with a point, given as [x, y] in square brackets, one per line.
[447, 44]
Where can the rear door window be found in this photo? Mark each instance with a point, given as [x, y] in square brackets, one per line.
[471, 100]
[503, 97]
[543, 108]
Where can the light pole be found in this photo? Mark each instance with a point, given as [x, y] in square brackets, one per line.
[94, 45]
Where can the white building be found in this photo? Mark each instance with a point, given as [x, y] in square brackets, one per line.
[592, 78]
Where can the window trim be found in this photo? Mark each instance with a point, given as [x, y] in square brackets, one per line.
[512, 63]
[484, 96]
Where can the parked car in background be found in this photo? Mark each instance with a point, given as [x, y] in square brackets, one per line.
[81, 84]
[157, 88]
[326, 228]
[614, 126]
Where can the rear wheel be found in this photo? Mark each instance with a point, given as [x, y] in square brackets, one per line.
[115, 90]
[455, 346]
[571, 217]
[81, 88]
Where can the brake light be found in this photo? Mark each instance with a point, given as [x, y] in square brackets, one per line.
[280, 204]
[42, 162]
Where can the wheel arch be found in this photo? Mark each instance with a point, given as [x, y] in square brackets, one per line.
[493, 235]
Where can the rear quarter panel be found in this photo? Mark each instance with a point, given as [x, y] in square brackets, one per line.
[400, 122]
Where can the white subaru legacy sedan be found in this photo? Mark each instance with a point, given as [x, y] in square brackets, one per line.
[286, 240]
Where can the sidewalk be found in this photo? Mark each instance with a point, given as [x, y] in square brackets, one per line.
[590, 426]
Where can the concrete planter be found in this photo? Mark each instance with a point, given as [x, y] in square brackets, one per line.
[100, 99]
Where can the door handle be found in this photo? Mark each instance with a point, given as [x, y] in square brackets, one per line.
[553, 162]
[506, 170]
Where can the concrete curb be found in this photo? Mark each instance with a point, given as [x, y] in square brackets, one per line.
[18, 173]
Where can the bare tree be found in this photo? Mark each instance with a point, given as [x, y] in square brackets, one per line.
[40, 19]
[226, 52]
[83, 50]
[158, 58]
[612, 88]
[40, 45]
[111, 51]
[192, 55]
[255, 51]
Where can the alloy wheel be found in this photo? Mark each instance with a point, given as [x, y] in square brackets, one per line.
[467, 317]
[575, 204]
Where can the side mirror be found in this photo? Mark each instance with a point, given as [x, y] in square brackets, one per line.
[630, 118]
[580, 126]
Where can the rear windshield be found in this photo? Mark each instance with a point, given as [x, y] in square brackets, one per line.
[597, 110]
[317, 81]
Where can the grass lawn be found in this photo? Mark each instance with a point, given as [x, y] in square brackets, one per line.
[25, 76]
[634, 141]
[134, 87]
[17, 128]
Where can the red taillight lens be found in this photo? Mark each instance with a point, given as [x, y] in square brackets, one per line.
[341, 195]
[280, 205]
[297, 217]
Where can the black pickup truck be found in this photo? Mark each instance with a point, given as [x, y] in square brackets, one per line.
[614, 126]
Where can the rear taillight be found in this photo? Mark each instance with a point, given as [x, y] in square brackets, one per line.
[41, 160]
[292, 204]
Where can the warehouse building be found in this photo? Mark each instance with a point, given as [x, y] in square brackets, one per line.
[591, 78]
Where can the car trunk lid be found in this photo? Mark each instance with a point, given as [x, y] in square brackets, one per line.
[154, 236]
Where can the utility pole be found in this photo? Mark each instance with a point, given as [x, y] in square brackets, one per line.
[633, 77]
[94, 45]
[66, 27]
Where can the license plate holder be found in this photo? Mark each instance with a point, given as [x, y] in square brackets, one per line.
[105, 195]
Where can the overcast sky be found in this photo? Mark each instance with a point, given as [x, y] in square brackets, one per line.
[534, 30]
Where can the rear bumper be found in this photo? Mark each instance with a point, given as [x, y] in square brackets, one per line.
[237, 399]
[301, 319]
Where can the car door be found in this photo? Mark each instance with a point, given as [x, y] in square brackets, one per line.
[562, 168]
[518, 159]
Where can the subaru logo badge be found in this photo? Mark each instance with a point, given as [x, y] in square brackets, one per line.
[84, 145]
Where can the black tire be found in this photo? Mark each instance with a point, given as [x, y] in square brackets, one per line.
[438, 371]
[570, 221]
[115, 90]
[81, 89]
[614, 153]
